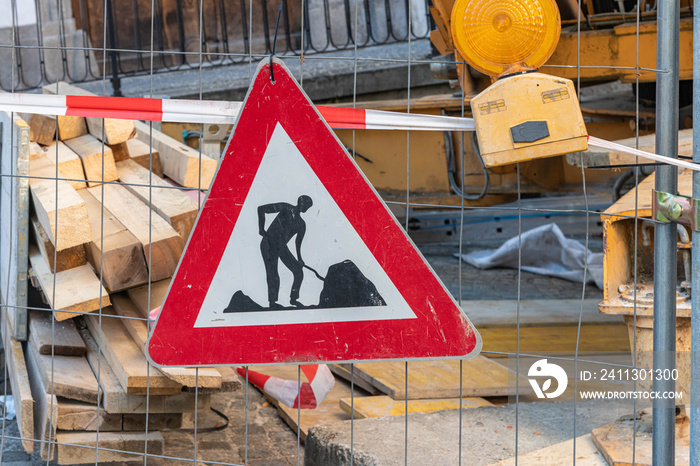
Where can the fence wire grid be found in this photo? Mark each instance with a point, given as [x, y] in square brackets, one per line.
[107, 42]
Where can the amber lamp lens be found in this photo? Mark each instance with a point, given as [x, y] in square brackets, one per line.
[501, 36]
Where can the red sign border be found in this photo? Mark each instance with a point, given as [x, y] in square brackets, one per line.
[440, 331]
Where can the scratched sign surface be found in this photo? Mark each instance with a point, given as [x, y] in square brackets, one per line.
[295, 258]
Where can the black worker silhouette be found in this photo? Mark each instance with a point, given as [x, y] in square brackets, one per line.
[344, 285]
[287, 224]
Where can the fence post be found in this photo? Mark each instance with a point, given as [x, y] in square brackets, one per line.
[695, 284]
[668, 21]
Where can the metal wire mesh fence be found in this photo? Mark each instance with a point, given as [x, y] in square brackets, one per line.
[108, 41]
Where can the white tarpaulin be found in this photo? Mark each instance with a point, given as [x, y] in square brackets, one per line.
[546, 251]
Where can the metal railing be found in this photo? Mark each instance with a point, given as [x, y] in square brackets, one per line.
[47, 45]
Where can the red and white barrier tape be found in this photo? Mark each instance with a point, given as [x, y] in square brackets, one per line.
[308, 395]
[597, 142]
[215, 112]
[222, 112]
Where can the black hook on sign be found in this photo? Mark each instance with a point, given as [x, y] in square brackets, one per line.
[274, 43]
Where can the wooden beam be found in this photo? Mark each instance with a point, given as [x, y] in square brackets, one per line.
[120, 151]
[66, 376]
[113, 250]
[179, 210]
[382, 406]
[42, 128]
[144, 155]
[45, 410]
[79, 447]
[137, 422]
[154, 233]
[139, 296]
[230, 381]
[19, 381]
[93, 153]
[70, 127]
[59, 338]
[127, 360]
[78, 290]
[66, 259]
[116, 400]
[75, 415]
[440, 379]
[115, 131]
[69, 164]
[208, 377]
[180, 162]
[35, 150]
[58, 207]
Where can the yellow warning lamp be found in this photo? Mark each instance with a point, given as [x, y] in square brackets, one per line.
[524, 115]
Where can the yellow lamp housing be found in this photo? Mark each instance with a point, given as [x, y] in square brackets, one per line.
[523, 115]
[501, 37]
[526, 117]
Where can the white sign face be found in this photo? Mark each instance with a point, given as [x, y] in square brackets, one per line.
[260, 279]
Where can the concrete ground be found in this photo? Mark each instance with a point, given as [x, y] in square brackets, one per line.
[488, 434]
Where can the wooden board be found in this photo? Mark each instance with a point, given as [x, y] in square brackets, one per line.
[113, 446]
[127, 360]
[66, 376]
[116, 400]
[59, 338]
[208, 377]
[343, 371]
[327, 412]
[76, 415]
[439, 379]
[164, 244]
[381, 406]
[78, 290]
[180, 162]
[68, 258]
[178, 209]
[559, 454]
[109, 130]
[69, 164]
[58, 207]
[19, 381]
[559, 340]
[139, 296]
[113, 250]
[42, 128]
[45, 410]
[93, 153]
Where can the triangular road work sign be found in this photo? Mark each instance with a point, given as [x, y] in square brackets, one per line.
[295, 258]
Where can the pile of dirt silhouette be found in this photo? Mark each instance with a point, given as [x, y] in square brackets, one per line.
[346, 286]
[241, 302]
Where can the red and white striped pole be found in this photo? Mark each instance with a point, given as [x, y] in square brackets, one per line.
[215, 112]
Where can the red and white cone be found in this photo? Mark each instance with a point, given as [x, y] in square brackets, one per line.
[307, 396]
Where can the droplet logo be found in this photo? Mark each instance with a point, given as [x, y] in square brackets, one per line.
[541, 369]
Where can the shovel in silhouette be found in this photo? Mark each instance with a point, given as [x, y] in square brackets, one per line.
[318, 275]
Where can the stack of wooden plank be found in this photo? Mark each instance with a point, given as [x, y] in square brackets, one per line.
[107, 232]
